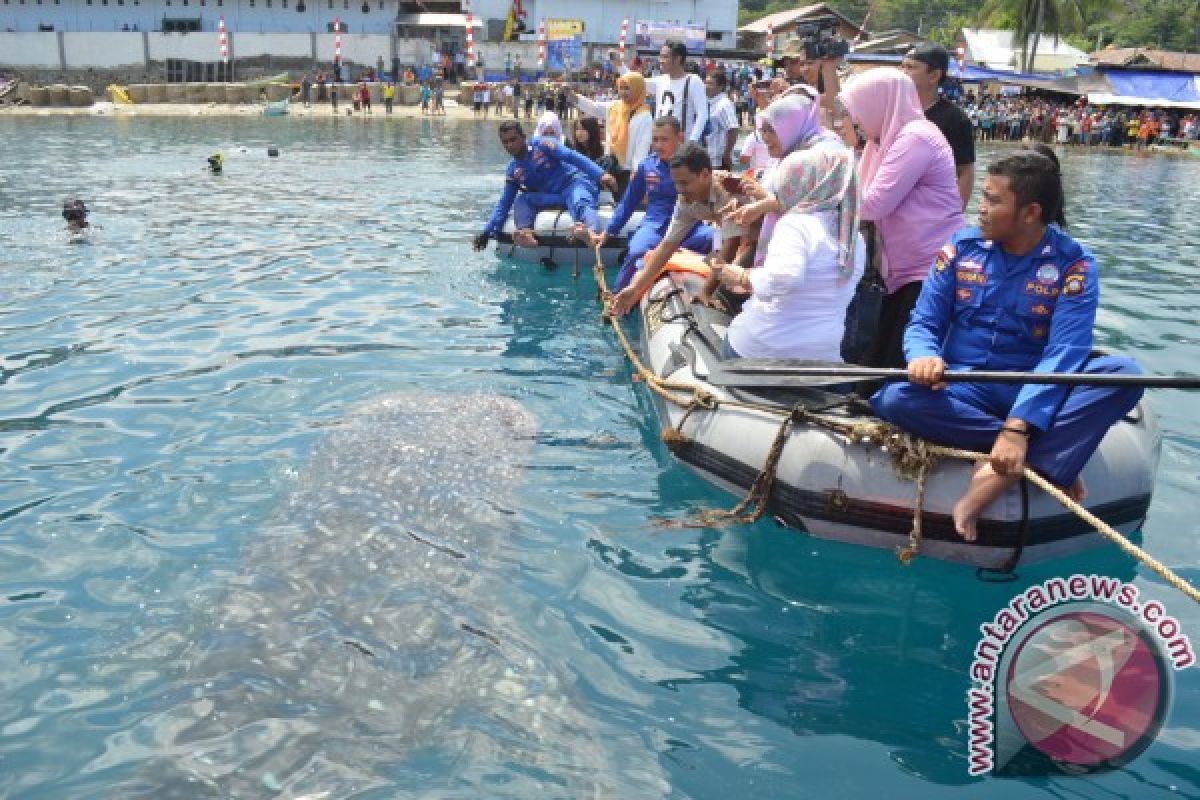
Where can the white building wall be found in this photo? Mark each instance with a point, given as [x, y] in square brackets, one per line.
[188, 46]
[249, 45]
[252, 16]
[103, 50]
[357, 48]
[602, 20]
[31, 50]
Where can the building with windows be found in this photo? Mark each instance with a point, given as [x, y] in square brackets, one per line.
[70, 35]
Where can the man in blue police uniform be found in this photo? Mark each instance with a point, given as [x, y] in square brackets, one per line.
[543, 174]
[1015, 294]
[651, 181]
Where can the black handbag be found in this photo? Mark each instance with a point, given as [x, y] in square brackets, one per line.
[862, 315]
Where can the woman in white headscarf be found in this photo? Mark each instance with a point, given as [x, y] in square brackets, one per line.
[549, 126]
[810, 253]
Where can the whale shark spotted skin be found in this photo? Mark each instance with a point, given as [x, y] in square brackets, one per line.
[365, 650]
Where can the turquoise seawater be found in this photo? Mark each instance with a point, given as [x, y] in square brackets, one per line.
[162, 387]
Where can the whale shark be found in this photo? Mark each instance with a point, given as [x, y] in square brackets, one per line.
[369, 647]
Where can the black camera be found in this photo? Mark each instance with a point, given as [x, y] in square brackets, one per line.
[820, 39]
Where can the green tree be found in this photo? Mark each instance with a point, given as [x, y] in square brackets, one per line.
[1030, 19]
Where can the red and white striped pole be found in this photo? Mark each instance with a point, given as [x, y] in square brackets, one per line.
[223, 40]
[770, 40]
[624, 32]
[542, 44]
[337, 41]
[470, 38]
[962, 55]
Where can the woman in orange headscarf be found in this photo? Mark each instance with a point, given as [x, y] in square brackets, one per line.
[627, 130]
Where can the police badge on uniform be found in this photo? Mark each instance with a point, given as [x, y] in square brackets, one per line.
[1047, 273]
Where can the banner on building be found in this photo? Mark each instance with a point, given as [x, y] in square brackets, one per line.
[651, 34]
[564, 55]
[515, 23]
[563, 28]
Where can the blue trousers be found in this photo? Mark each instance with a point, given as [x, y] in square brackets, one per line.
[648, 236]
[969, 415]
[579, 198]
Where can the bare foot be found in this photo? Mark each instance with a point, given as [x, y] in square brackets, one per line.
[1077, 492]
[964, 521]
[986, 485]
[524, 238]
[580, 232]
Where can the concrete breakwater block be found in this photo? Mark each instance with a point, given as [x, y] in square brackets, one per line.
[39, 96]
[139, 92]
[175, 93]
[81, 96]
[156, 93]
[215, 93]
[408, 95]
[196, 93]
[60, 95]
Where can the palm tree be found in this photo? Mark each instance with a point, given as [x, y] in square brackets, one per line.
[1031, 18]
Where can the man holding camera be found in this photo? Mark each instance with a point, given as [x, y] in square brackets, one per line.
[800, 66]
[928, 65]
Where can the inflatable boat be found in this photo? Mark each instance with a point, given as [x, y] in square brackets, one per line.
[556, 245]
[838, 489]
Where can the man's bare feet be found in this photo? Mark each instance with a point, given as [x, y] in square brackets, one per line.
[986, 485]
[524, 238]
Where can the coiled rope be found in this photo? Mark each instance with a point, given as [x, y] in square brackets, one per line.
[912, 458]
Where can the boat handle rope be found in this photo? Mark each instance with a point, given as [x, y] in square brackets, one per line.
[912, 458]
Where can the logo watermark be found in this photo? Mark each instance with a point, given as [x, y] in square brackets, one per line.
[1077, 671]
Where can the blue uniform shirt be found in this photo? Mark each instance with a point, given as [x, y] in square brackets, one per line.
[981, 308]
[544, 167]
[652, 181]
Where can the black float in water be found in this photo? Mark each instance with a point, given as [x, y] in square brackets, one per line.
[273, 152]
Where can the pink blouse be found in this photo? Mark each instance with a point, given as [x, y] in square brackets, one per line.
[914, 200]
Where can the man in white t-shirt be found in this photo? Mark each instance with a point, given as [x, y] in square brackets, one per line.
[722, 118]
[678, 92]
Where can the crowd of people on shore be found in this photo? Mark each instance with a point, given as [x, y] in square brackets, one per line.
[846, 189]
[1079, 123]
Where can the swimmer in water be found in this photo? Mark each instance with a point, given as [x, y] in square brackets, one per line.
[75, 212]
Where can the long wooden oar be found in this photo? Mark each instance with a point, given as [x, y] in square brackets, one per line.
[849, 372]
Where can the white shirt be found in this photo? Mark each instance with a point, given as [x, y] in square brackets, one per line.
[723, 117]
[668, 99]
[637, 138]
[797, 308]
[754, 153]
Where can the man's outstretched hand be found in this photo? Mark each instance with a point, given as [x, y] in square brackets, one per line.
[480, 241]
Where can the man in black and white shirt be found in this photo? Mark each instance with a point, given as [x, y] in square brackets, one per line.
[678, 92]
[722, 118]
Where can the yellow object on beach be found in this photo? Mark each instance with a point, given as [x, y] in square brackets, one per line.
[118, 95]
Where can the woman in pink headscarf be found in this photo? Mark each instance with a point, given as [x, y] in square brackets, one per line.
[907, 186]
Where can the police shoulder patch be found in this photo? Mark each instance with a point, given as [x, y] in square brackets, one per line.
[944, 257]
[1073, 285]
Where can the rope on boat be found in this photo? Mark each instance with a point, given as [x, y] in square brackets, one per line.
[912, 458]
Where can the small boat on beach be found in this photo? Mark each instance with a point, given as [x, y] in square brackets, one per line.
[277, 108]
[556, 244]
[837, 487]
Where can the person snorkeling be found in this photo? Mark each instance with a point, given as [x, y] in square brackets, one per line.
[216, 163]
[75, 212]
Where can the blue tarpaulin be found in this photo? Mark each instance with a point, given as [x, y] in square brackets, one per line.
[1175, 87]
